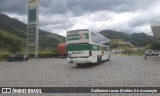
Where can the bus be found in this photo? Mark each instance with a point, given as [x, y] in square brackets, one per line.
[85, 46]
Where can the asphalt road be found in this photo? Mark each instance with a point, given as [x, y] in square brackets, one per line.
[120, 71]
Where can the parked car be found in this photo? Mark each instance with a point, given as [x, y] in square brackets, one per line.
[157, 52]
[17, 57]
[152, 53]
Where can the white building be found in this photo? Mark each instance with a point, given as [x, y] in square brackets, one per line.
[155, 26]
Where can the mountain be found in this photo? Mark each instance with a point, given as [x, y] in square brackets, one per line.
[137, 39]
[13, 30]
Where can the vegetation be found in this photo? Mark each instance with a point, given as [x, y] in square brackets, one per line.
[148, 47]
[140, 39]
[44, 55]
[14, 46]
[48, 54]
[137, 53]
[4, 56]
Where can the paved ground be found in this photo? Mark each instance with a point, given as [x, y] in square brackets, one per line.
[121, 71]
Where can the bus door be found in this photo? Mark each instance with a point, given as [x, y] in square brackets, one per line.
[102, 50]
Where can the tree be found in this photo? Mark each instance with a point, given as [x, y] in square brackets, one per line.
[15, 46]
[1, 40]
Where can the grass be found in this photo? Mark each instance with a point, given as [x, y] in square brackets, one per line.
[138, 53]
[7, 34]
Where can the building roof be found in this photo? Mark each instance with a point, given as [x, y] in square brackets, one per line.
[120, 42]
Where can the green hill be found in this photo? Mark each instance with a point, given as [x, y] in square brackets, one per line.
[12, 30]
[137, 39]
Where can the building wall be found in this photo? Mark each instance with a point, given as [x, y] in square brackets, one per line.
[156, 31]
[155, 26]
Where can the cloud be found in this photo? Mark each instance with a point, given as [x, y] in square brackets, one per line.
[22, 18]
[58, 16]
[145, 16]
[13, 6]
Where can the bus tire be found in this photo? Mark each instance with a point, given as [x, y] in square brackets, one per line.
[100, 59]
[79, 65]
[108, 58]
[97, 63]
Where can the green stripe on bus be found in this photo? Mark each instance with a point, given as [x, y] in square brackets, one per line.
[78, 47]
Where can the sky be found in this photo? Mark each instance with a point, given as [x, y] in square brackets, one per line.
[59, 16]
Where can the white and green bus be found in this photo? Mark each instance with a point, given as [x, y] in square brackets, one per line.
[85, 46]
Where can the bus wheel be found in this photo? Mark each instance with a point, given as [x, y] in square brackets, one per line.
[97, 63]
[108, 58]
[100, 59]
[79, 65]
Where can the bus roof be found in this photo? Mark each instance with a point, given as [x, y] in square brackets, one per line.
[78, 30]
